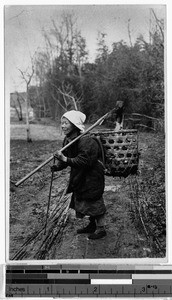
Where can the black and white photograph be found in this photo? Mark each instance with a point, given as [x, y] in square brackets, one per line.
[85, 105]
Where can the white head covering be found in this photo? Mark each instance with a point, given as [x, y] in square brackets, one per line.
[77, 118]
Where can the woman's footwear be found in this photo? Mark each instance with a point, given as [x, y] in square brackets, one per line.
[97, 235]
[90, 228]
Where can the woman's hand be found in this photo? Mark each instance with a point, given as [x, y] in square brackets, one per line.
[59, 155]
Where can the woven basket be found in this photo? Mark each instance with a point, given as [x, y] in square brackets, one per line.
[120, 148]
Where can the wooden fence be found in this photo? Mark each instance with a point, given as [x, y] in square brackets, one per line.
[141, 121]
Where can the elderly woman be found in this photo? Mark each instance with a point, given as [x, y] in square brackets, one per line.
[87, 174]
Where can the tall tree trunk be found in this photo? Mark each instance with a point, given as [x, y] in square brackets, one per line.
[24, 76]
[81, 82]
[27, 118]
[20, 109]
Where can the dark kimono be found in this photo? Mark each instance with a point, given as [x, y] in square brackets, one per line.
[86, 177]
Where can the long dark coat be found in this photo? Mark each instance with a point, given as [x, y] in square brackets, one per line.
[87, 175]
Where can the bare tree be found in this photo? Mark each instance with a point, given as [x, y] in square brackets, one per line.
[27, 78]
[159, 24]
[71, 101]
[18, 108]
[66, 98]
[129, 33]
[59, 63]
[43, 65]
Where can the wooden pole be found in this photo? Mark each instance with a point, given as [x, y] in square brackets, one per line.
[64, 148]
[49, 197]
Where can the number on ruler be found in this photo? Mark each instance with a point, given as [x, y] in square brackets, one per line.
[94, 290]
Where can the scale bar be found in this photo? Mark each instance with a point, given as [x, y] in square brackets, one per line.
[111, 281]
[152, 276]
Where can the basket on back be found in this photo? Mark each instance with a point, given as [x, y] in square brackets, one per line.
[120, 151]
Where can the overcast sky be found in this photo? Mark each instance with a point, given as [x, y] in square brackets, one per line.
[23, 25]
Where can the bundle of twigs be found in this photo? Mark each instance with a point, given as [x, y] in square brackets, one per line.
[39, 243]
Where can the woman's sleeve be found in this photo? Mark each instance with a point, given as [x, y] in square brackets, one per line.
[87, 153]
[61, 165]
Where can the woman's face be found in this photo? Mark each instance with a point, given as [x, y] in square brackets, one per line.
[67, 126]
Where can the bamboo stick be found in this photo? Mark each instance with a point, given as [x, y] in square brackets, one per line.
[98, 122]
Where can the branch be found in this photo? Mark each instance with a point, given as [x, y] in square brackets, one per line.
[19, 95]
[158, 21]
[22, 73]
[142, 125]
[68, 95]
[17, 15]
[15, 108]
[129, 33]
[30, 76]
[58, 101]
[58, 92]
[75, 98]
[63, 96]
[141, 115]
[79, 99]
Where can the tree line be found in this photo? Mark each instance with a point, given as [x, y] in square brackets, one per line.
[65, 79]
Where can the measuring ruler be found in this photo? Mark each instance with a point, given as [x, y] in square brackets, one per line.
[70, 281]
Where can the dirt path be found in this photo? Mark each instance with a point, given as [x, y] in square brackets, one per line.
[122, 240]
[134, 208]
